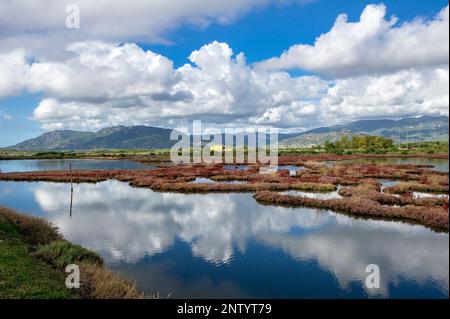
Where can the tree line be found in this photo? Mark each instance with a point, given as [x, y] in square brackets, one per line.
[363, 143]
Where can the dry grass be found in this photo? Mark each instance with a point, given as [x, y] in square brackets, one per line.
[33, 230]
[441, 180]
[98, 282]
[314, 165]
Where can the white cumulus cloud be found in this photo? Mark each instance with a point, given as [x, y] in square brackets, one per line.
[13, 69]
[40, 25]
[104, 85]
[374, 44]
[101, 83]
[405, 93]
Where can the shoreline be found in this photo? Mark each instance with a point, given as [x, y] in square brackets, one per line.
[33, 259]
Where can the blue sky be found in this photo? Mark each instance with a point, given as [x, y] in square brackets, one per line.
[269, 31]
[262, 32]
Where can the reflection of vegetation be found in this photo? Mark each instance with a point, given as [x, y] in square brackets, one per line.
[33, 257]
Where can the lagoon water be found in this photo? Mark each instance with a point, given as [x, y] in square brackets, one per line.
[228, 245]
[7, 166]
[438, 163]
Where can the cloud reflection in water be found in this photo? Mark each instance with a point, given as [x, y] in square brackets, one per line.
[125, 224]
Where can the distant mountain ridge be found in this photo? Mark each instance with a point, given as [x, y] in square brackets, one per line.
[122, 137]
[424, 128]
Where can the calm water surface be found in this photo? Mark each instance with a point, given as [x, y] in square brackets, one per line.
[204, 180]
[439, 164]
[228, 245]
[318, 195]
[63, 164]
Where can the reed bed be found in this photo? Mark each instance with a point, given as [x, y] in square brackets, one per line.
[434, 217]
[403, 188]
[372, 192]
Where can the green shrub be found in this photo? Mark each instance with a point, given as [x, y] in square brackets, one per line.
[61, 253]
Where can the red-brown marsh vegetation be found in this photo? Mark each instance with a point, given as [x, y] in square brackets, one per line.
[434, 217]
[404, 188]
[362, 196]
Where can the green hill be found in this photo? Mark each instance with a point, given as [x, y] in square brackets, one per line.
[135, 137]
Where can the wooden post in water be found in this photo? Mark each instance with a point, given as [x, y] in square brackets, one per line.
[71, 189]
[407, 146]
[419, 139]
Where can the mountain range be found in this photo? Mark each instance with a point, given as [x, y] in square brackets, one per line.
[117, 137]
[424, 128]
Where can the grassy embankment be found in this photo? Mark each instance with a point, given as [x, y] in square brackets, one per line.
[33, 257]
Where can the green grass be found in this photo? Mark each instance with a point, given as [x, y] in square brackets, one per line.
[7, 229]
[21, 275]
[61, 253]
